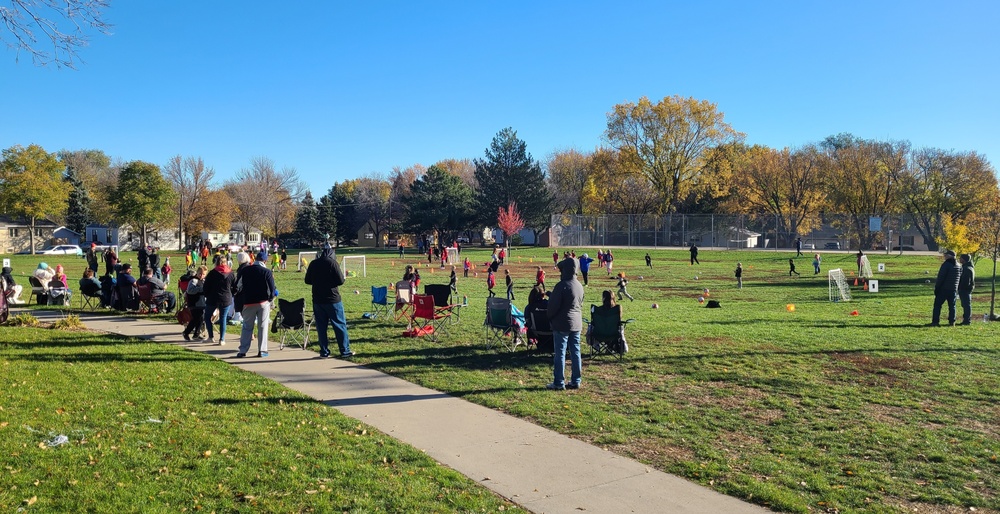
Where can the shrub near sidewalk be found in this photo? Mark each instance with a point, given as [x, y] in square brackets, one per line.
[153, 427]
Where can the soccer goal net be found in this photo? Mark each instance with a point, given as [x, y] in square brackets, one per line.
[839, 291]
[354, 264]
[304, 259]
[452, 255]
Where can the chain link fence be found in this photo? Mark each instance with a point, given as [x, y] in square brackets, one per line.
[736, 231]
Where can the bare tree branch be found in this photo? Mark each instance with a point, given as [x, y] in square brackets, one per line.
[27, 24]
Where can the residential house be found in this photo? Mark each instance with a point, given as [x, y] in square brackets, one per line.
[126, 238]
[15, 232]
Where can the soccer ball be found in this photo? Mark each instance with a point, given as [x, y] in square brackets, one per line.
[357, 292]
[655, 306]
[696, 277]
[706, 290]
[701, 299]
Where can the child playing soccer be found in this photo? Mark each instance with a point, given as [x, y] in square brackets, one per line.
[622, 282]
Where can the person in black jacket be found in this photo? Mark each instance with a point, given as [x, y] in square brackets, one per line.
[966, 283]
[255, 284]
[325, 277]
[220, 284]
[946, 288]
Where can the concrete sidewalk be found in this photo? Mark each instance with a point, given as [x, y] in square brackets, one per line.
[539, 469]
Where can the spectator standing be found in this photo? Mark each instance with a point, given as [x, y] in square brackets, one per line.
[694, 254]
[326, 277]
[256, 285]
[400, 250]
[220, 284]
[798, 247]
[154, 262]
[945, 288]
[195, 299]
[966, 284]
[566, 320]
[110, 259]
[92, 257]
[143, 260]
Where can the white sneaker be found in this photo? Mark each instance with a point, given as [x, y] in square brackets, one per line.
[222, 342]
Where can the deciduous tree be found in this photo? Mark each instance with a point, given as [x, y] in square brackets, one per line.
[265, 197]
[861, 179]
[29, 26]
[372, 197]
[940, 184]
[32, 185]
[190, 179]
[509, 221]
[784, 184]
[669, 140]
[984, 226]
[99, 178]
[143, 197]
[573, 183]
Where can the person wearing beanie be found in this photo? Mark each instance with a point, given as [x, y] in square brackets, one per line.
[326, 277]
[966, 283]
[946, 288]
[566, 320]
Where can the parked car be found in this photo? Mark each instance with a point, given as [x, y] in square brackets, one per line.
[62, 250]
[808, 246]
[905, 249]
[832, 246]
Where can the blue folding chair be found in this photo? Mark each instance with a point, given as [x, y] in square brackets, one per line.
[380, 301]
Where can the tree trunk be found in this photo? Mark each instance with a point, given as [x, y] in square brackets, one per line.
[993, 291]
[31, 235]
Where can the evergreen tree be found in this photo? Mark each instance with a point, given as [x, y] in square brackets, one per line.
[307, 221]
[78, 214]
[326, 219]
[509, 174]
[439, 202]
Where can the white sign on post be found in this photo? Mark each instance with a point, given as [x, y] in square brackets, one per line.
[873, 286]
[6, 263]
[881, 267]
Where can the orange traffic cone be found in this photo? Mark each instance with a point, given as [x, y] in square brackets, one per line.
[855, 280]
[866, 285]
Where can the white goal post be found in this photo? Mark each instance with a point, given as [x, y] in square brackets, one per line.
[452, 255]
[304, 259]
[350, 263]
[839, 291]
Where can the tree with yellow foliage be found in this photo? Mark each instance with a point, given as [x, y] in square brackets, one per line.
[984, 228]
[669, 140]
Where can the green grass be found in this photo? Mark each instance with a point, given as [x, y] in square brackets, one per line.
[155, 428]
[808, 410]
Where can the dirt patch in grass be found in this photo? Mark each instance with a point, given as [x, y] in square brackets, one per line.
[654, 452]
[924, 508]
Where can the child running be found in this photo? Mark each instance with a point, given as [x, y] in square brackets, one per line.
[622, 282]
[791, 267]
[540, 277]
[491, 282]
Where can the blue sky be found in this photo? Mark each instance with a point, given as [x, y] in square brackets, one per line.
[337, 89]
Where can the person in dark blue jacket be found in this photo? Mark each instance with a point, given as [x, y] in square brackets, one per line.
[946, 288]
[585, 267]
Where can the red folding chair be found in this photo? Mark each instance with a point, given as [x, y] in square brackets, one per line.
[427, 318]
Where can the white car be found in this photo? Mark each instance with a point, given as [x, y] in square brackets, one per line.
[62, 250]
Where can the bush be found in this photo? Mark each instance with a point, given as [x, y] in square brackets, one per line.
[516, 240]
[70, 322]
[23, 320]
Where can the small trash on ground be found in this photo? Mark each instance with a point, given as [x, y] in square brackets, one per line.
[57, 440]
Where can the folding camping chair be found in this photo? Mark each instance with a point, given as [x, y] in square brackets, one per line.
[404, 300]
[540, 331]
[148, 304]
[426, 314]
[58, 294]
[292, 323]
[37, 290]
[380, 301]
[501, 330]
[606, 331]
[90, 296]
[444, 301]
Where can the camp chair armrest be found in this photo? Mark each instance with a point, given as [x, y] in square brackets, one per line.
[627, 321]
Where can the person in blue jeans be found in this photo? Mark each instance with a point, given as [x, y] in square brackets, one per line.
[325, 277]
[566, 321]
[220, 284]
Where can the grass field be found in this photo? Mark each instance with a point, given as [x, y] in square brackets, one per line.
[805, 410]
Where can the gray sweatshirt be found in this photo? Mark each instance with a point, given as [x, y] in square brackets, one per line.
[565, 300]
